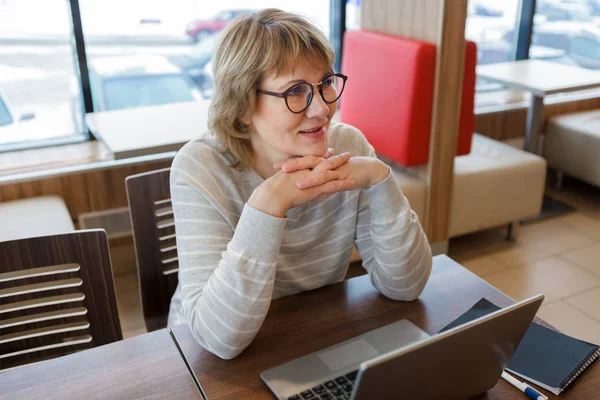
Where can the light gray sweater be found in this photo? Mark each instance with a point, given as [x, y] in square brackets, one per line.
[234, 259]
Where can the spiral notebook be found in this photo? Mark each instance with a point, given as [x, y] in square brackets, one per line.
[548, 358]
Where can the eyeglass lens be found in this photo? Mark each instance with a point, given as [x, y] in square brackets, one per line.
[300, 96]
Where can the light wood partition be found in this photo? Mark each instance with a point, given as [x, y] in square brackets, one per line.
[441, 22]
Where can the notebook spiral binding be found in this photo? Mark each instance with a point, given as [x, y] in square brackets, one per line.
[581, 368]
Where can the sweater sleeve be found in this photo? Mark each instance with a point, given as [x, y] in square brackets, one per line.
[390, 240]
[226, 273]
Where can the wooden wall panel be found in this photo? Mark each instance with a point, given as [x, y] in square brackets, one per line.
[83, 192]
[418, 19]
[510, 124]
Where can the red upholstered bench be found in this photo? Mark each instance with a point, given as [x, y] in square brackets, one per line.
[389, 97]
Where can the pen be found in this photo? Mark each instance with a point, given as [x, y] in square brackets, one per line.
[523, 387]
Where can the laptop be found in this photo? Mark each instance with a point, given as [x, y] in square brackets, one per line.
[400, 361]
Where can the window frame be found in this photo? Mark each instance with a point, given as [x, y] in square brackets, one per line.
[524, 31]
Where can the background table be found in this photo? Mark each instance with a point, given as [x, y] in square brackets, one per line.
[146, 366]
[309, 321]
[540, 78]
[149, 130]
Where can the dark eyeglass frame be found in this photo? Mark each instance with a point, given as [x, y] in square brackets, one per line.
[284, 95]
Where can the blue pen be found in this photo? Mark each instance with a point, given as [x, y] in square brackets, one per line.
[523, 387]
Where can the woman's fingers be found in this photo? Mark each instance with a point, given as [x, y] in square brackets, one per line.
[335, 186]
[329, 153]
[315, 179]
[333, 162]
[299, 163]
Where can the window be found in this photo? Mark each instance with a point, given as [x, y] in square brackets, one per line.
[37, 67]
[133, 63]
[492, 24]
[567, 32]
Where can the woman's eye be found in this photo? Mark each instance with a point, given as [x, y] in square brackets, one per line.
[297, 90]
[327, 82]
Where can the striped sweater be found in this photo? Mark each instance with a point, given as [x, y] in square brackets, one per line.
[234, 259]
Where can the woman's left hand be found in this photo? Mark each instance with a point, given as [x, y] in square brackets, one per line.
[365, 171]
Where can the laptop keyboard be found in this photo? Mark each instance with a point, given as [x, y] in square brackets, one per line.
[339, 388]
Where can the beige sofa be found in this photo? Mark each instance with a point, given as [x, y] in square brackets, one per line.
[37, 216]
[572, 145]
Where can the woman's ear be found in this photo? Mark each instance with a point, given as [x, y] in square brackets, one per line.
[246, 118]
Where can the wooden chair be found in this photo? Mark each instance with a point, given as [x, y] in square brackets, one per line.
[149, 197]
[57, 296]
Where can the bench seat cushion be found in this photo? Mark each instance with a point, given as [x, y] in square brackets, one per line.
[494, 185]
[572, 145]
[37, 216]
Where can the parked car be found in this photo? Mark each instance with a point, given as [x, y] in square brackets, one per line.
[196, 63]
[579, 41]
[8, 115]
[552, 10]
[122, 82]
[201, 29]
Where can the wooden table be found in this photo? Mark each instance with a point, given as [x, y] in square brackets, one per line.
[146, 366]
[310, 321]
[541, 78]
[149, 130]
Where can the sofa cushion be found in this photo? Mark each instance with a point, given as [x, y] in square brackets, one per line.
[389, 94]
[493, 185]
[572, 145]
[37, 216]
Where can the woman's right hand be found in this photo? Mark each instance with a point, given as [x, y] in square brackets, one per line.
[279, 193]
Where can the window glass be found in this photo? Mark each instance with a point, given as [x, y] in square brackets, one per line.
[492, 24]
[5, 116]
[569, 31]
[38, 74]
[178, 35]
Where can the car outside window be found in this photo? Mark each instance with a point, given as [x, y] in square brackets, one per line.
[151, 90]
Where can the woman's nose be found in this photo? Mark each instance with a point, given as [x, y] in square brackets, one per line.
[317, 107]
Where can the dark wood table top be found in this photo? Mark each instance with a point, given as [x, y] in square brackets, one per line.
[310, 321]
[148, 366]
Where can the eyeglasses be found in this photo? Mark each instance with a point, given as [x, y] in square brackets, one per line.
[298, 97]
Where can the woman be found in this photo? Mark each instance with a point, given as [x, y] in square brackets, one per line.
[263, 208]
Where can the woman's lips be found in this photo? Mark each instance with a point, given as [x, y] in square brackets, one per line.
[314, 134]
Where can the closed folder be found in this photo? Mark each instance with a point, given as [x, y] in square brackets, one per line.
[546, 357]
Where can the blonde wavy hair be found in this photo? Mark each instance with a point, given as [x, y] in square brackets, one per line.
[251, 47]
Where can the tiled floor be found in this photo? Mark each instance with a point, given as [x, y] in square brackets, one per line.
[559, 257]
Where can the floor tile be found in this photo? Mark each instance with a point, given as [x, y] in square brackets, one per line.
[478, 244]
[483, 266]
[532, 249]
[571, 321]
[554, 277]
[587, 257]
[583, 223]
[588, 303]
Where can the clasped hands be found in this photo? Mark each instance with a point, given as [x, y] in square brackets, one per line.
[301, 180]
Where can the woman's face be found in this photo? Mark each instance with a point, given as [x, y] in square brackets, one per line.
[277, 133]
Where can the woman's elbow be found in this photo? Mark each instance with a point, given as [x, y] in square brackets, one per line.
[413, 291]
[228, 354]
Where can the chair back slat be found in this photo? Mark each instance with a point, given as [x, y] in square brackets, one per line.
[149, 197]
[57, 296]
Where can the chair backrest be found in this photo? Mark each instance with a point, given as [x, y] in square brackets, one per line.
[389, 94]
[149, 197]
[57, 296]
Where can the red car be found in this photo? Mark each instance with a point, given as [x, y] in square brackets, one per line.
[198, 30]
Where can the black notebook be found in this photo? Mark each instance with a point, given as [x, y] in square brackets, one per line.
[544, 356]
